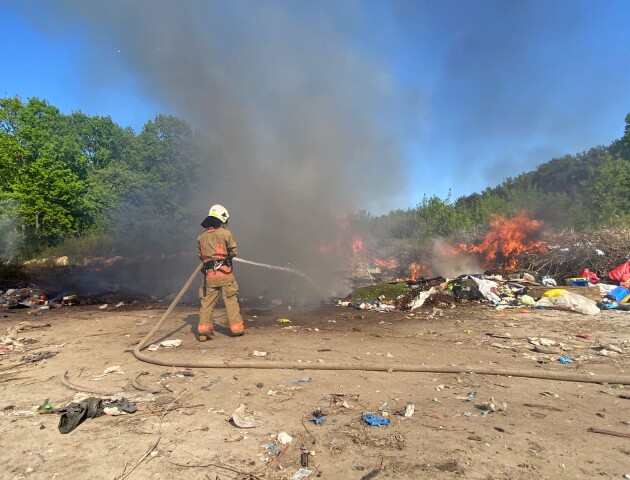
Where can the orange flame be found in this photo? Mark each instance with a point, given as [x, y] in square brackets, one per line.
[389, 264]
[507, 239]
[418, 271]
[357, 244]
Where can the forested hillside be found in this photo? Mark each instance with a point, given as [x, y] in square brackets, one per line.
[86, 182]
[585, 191]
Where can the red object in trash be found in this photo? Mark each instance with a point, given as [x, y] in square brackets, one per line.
[583, 335]
[621, 273]
[591, 276]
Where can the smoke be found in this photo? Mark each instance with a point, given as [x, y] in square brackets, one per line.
[448, 262]
[11, 237]
[303, 125]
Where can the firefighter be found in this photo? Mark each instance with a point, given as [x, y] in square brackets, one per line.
[216, 248]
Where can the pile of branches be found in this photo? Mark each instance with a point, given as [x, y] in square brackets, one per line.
[571, 252]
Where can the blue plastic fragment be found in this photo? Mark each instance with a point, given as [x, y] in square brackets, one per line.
[565, 360]
[374, 420]
[318, 420]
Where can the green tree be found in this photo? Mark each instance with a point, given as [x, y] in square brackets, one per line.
[610, 192]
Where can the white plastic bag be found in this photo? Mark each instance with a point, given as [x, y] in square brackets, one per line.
[572, 301]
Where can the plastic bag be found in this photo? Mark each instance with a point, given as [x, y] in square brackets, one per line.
[591, 276]
[571, 301]
[621, 273]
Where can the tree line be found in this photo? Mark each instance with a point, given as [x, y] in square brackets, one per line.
[85, 181]
[585, 192]
[81, 178]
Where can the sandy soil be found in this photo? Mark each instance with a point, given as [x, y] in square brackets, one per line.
[541, 435]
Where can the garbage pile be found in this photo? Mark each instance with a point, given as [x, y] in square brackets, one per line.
[570, 252]
[584, 294]
[22, 297]
[33, 298]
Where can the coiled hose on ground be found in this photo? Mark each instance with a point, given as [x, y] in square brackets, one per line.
[543, 375]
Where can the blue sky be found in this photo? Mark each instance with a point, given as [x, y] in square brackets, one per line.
[445, 95]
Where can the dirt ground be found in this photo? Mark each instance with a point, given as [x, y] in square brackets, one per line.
[542, 434]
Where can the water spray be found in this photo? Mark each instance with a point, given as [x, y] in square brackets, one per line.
[276, 267]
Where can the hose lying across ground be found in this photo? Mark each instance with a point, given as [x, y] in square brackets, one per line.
[544, 375]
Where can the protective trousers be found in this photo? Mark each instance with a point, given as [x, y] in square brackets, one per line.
[209, 300]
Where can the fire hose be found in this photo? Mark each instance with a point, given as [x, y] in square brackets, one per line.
[270, 365]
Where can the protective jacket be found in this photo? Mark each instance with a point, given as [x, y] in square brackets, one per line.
[216, 245]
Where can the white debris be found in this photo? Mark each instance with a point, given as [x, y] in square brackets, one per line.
[284, 438]
[301, 474]
[171, 343]
[241, 421]
[421, 298]
[409, 410]
[259, 354]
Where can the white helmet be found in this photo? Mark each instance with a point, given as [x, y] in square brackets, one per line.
[219, 211]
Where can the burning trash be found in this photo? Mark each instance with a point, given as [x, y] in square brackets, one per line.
[508, 239]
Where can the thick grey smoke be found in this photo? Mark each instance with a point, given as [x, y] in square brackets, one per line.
[304, 127]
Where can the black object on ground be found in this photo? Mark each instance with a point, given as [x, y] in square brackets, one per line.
[74, 414]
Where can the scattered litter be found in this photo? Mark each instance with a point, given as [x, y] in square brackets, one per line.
[283, 320]
[545, 342]
[492, 406]
[120, 304]
[36, 357]
[153, 347]
[499, 335]
[409, 410]
[73, 414]
[527, 300]
[240, 420]
[319, 417]
[564, 360]
[284, 438]
[102, 307]
[301, 474]
[113, 411]
[564, 299]
[614, 348]
[421, 298]
[306, 379]
[259, 354]
[171, 343]
[547, 350]
[549, 394]
[70, 300]
[114, 369]
[583, 335]
[374, 420]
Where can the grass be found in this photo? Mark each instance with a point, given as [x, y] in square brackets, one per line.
[390, 291]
